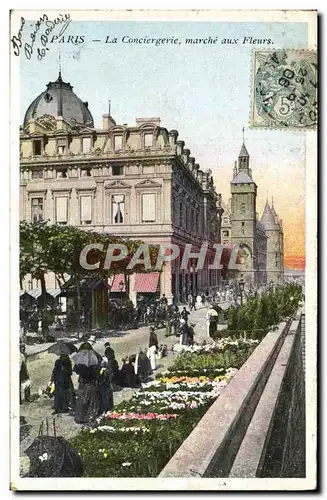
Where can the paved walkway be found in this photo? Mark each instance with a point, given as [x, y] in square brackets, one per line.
[40, 365]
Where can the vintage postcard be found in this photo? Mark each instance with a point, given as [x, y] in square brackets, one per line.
[163, 321]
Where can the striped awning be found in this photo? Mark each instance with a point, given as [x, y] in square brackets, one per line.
[116, 285]
[37, 292]
[146, 283]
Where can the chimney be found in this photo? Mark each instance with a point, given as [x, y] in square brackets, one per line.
[196, 170]
[186, 154]
[173, 134]
[200, 176]
[180, 147]
[60, 123]
[191, 161]
[32, 125]
[107, 122]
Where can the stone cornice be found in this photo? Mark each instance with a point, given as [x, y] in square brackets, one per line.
[147, 183]
[140, 156]
[116, 184]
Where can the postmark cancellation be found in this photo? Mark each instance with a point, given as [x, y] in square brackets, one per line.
[284, 89]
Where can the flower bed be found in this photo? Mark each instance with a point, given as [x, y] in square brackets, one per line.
[139, 436]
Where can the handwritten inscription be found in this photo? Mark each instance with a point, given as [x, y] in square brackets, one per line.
[38, 40]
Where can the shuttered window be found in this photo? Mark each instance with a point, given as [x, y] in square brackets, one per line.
[37, 209]
[118, 209]
[86, 209]
[118, 142]
[148, 207]
[86, 144]
[61, 209]
[148, 139]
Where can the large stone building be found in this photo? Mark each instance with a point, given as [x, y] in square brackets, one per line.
[261, 241]
[135, 181]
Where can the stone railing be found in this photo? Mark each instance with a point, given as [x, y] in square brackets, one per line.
[249, 430]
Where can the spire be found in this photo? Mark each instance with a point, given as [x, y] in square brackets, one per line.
[244, 158]
[59, 65]
[268, 218]
[235, 170]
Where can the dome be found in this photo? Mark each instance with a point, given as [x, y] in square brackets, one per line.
[59, 100]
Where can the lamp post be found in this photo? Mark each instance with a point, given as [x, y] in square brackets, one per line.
[241, 288]
[121, 288]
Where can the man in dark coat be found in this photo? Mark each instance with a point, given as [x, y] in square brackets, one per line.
[185, 314]
[109, 352]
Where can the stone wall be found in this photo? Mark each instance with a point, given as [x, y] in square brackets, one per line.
[257, 425]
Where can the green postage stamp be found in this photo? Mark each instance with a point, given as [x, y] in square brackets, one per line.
[284, 89]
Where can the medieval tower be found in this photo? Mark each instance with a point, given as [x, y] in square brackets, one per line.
[243, 213]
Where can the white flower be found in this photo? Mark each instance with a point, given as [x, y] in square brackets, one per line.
[43, 457]
[126, 464]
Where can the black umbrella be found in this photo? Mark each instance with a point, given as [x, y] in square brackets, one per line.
[86, 358]
[62, 348]
[52, 456]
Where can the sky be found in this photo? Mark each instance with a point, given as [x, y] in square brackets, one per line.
[203, 91]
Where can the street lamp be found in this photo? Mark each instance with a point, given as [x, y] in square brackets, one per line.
[121, 288]
[241, 287]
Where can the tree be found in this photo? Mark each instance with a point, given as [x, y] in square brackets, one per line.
[54, 248]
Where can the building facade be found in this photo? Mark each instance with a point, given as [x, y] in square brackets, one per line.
[138, 182]
[261, 241]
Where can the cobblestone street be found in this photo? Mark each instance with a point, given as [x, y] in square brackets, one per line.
[40, 365]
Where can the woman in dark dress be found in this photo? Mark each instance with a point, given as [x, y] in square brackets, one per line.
[64, 389]
[88, 399]
[105, 386]
[127, 376]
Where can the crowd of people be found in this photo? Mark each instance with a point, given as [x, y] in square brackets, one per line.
[99, 376]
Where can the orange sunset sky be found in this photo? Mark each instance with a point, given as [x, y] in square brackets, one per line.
[284, 181]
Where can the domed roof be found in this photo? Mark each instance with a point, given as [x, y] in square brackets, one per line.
[59, 100]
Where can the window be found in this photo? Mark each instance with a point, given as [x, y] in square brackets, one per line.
[226, 233]
[242, 232]
[86, 172]
[118, 142]
[148, 140]
[243, 224]
[86, 144]
[118, 209]
[242, 208]
[181, 213]
[148, 207]
[37, 147]
[37, 209]
[197, 222]
[61, 146]
[86, 209]
[117, 170]
[37, 174]
[62, 174]
[61, 210]
[276, 255]
[225, 242]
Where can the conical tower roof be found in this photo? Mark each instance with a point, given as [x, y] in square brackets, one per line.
[268, 218]
[244, 151]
